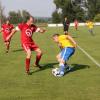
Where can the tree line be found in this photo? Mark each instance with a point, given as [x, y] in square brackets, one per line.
[19, 16]
[73, 9]
[16, 17]
[76, 9]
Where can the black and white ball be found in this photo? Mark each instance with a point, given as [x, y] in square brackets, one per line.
[55, 71]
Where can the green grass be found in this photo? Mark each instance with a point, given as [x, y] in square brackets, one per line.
[81, 84]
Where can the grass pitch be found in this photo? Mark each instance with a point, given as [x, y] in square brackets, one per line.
[81, 84]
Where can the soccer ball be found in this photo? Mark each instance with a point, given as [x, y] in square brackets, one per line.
[55, 71]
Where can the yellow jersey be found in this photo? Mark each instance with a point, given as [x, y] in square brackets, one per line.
[64, 41]
[90, 24]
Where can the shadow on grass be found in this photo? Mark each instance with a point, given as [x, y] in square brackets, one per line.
[18, 50]
[79, 67]
[76, 67]
[44, 67]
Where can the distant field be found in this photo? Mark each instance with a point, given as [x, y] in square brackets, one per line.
[81, 84]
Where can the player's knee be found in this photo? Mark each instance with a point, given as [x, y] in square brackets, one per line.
[39, 52]
[7, 43]
[58, 56]
[62, 61]
[29, 54]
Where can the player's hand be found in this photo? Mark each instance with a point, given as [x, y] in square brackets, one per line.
[75, 45]
[42, 30]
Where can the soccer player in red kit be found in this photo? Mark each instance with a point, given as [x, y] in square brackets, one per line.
[27, 29]
[6, 29]
[76, 24]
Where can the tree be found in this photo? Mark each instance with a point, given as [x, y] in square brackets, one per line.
[25, 14]
[94, 8]
[80, 9]
[97, 18]
[69, 10]
[13, 17]
[56, 17]
[18, 17]
[2, 16]
[78, 13]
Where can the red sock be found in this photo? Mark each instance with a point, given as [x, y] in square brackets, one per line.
[38, 57]
[27, 64]
[7, 47]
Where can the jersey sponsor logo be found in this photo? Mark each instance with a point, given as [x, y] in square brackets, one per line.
[7, 30]
[28, 32]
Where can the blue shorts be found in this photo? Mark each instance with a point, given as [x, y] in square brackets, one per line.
[67, 52]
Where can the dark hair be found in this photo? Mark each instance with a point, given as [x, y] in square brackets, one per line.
[7, 19]
[55, 35]
[27, 18]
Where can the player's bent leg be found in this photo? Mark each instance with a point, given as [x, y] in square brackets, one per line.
[28, 57]
[61, 63]
[58, 57]
[69, 53]
[76, 28]
[65, 55]
[7, 43]
[28, 54]
[92, 33]
[38, 57]
[61, 69]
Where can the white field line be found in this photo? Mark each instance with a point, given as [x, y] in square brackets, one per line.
[89, 56]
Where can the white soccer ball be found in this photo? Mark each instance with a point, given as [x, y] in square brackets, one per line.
[55, 71]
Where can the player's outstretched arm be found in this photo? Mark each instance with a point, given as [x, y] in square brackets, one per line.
[72, 40]
[11, 34]
[40, 30]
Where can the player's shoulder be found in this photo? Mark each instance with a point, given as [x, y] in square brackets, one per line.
[11, 25]
[62, 36]
[21, 25]
[3, 25]
[33, 25]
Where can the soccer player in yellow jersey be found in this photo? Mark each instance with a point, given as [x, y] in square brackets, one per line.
[67, 45]
[90, 25]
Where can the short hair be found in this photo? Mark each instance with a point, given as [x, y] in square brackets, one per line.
[27, 18]
[55, 35]
[65, 16]
[7, 19]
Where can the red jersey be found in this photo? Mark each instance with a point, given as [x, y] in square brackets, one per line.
[76, 23]
[6, 29]
[27, 32]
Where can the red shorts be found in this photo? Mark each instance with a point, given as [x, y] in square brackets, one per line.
[29, 46]
[4, 38]
[76, 26]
